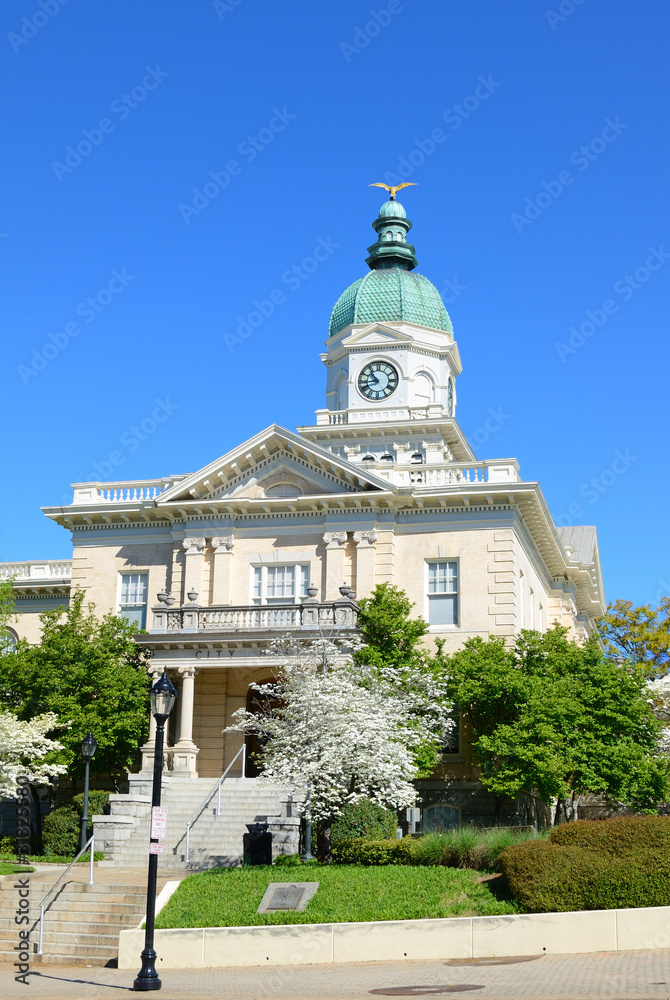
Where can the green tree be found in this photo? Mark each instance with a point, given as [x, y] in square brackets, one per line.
[391, 637]
[558, 719]
[642, 634]
[90, 672]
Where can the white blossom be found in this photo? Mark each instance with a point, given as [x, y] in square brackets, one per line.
[23, 746]
[346, 731]
[659, 700]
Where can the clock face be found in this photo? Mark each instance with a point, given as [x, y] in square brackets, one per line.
[378, 380]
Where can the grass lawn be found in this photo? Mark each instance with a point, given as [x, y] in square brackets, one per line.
[9, 868]
[229, 897]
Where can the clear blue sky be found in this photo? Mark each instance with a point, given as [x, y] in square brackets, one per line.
[312, 101]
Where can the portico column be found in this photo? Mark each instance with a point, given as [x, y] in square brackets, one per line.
[193, 563]
[147, 749]
[334, 542]
[365, 562]
[185, 751]
[223, 569]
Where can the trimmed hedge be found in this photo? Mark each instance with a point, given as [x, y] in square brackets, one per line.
[593, 865]
[364, 819]
[615, 836]
[359, 851]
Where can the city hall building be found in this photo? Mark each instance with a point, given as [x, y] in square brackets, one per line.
[286, 531]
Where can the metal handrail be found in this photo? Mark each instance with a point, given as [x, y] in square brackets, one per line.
[91, 842]
[215, 788]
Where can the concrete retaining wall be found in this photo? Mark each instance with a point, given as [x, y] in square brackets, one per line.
[394, 940]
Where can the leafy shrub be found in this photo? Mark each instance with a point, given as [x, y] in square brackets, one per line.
[358, 851]
[60, 832]
[288, 860]
[545, 876]
[615, 836]
[62, 827]
[366, 820]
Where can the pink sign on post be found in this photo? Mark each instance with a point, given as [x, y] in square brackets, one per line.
[158, 822]
[156, 848]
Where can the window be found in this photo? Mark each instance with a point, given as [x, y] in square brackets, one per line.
[368, 458]
[279, 584]
[387, 458]
[416, 458]
[283, 490]
[443, 593]
[453, 746]
[8, 641]
[441, 817]
[133, 601]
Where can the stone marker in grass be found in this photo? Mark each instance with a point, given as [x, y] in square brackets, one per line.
[287, 896]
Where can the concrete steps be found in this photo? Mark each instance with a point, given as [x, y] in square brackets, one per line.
[214, 840]
[82, 922]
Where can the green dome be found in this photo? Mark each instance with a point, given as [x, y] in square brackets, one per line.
[390, 294]
[392, 210]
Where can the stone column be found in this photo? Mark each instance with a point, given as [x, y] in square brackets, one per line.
[223, 569]
[365, 562]
[193, 564]
[147, 749]
[334, 542]
[185, 751]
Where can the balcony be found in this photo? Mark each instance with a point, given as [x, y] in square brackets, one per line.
[255, 621]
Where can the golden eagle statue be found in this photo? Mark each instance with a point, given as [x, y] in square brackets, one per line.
[393, 190]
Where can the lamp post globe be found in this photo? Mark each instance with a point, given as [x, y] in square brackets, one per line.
[88, 747]
[163, 696]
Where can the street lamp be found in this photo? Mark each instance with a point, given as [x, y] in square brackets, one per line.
[163, 696]
[307, 853]
[88, 748]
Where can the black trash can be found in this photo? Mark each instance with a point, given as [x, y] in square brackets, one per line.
[257, 844]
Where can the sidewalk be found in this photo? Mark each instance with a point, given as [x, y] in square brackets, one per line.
[634, 974]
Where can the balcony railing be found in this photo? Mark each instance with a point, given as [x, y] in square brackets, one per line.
[255, 618]
[122, 492]
[505, 471]
[42, 571]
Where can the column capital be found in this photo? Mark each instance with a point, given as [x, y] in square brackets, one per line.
[223, 542]
[188, 670]
[335, 539]
[365, 538]
[154, 672]
[193, 545]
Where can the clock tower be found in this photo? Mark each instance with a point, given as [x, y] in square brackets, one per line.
[391, 360]
[391, 344]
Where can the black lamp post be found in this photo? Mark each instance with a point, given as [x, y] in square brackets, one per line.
[307, 853]
[163, 697]
[88, 748]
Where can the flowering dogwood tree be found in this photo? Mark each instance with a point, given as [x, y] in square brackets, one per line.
[345, 730]
[659, 699]
[23, 747]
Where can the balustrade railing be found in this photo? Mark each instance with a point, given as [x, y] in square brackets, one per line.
[123, 492]
[36, 570]
[461, 475]
[255, 618]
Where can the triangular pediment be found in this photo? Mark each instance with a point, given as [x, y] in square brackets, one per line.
[275, 464]
[376, 334]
